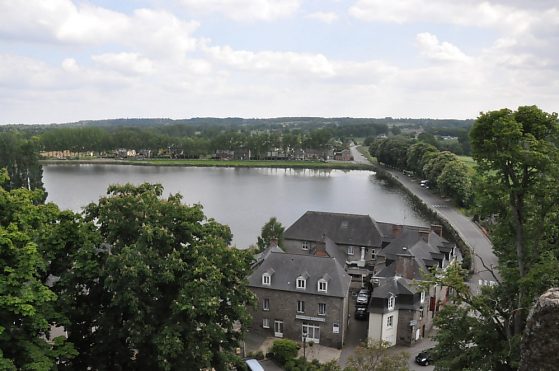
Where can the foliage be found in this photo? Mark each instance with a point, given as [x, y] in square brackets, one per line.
[301, 364]
[416, 154]
[376, 357]
[272, 230]
[391, 151]
[518, 168]
[435, 162]
[456, 181]
[162, 291]
[20, 158]
[27, 304]
[284, 350]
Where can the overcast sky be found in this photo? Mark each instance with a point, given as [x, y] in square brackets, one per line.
[65, 60]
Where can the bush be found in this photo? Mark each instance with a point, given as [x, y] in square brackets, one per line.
[284, 350]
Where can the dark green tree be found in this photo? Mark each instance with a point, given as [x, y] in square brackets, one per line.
[376, 357]
[272, 230]
[162, 291]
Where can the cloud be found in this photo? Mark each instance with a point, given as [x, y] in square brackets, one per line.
[245, 10]
[468, 13]
[326, 17]
[125, 62]
[433, 49]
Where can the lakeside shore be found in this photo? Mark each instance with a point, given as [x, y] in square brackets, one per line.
[319, 165]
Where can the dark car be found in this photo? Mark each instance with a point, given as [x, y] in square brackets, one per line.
[361, 313]
[424, 358]
[363, 297]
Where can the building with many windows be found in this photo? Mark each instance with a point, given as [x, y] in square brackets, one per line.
[300, 297]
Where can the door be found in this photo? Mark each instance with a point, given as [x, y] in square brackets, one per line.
[310, 333]
[278, 329]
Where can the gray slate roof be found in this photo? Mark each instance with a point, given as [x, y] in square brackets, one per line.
[285, 268]
[345, 229]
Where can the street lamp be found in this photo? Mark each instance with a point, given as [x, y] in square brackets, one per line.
[305, 345]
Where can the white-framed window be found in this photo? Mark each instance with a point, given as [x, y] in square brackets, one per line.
[389, 321]
[421, 313]
[301, 283]
[322, 285]
[300, 306]
[422, 296]
[305, 245]
[266, 279]
[321, 309]
[350, 250]
[266, 304]
[266, 323]
[391, 302]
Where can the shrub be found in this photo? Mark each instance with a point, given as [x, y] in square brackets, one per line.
[284, 350]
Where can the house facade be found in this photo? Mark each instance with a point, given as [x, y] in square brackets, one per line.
[300, 297]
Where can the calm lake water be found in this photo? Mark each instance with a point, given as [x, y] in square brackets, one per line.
[244, 199]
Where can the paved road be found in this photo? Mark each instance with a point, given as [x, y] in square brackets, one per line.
[468, 231]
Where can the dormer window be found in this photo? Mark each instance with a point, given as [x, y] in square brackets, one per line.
[266, 279]
[391, 302]
[322, 285]
[422, 296]
[305, 245]
[301, 283]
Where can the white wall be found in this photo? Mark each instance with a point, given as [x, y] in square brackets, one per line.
[379, 330]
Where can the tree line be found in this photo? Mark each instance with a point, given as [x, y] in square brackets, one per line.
[442, 169]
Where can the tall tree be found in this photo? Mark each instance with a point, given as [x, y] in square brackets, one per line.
[27, 304]
[272, 230]
[163, 290]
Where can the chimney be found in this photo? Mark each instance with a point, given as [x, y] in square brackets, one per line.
[319, 249]
[404, 266]
[424, 234]
[396, 230]
[438, 229]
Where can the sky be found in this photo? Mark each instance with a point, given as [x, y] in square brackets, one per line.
[68, 60]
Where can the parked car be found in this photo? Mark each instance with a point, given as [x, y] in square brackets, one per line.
[424, 183]
[254, 365]
[361, 313]
[424, 358]
[363, 297]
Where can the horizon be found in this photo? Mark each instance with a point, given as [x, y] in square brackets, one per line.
[63, 61]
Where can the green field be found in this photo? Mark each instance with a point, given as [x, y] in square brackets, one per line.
[222, 163]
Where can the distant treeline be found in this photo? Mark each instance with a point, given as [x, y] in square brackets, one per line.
[202, 136]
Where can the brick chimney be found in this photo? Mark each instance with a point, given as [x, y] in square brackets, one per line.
[424, 234]
[396, 230]
[319, 249]
[438, 229]
[404, 266]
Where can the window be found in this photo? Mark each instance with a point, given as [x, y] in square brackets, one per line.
[389, 321]
[301, 283]
[266, 279]
[300, 306]
[422, 296]
[321, 309]
[373, 254]
[266, 304]
[391, 302]
[322, 285]
[421, 313]
[305, 245]
[350, 250]
[266, 323]
[336, 328]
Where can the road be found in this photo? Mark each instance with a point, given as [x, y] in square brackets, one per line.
[468, 231]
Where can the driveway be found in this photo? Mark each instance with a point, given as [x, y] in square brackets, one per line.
[355, 336]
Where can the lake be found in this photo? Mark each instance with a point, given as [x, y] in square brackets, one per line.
[243, 198]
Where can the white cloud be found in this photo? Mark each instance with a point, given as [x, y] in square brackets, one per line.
[326, 17]
[245, 10]
[433, 49]
[273, 62]
[468, 12]
[125, 62]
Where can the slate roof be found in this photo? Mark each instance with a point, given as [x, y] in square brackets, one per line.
[394, 286]
[287, 267]
[345, 229]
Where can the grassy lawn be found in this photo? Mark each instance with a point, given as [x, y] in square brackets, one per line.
[222, 163]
